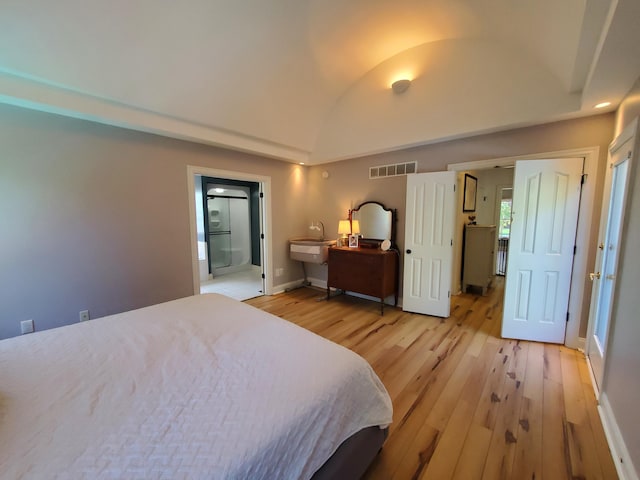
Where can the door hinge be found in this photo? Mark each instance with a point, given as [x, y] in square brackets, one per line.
[263, 276]
[452, 242]
[449, 294]
[262, 236]
[454, 187]
[261, 195]
[575, 249]
[583, 179]
[567, 317]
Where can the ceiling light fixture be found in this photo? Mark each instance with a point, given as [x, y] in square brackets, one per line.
[400, 86]
[603, 104]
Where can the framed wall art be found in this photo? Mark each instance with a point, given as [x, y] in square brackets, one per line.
[470, 190]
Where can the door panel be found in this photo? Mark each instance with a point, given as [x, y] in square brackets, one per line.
[615, 197]
[545, 213]
[428, 255]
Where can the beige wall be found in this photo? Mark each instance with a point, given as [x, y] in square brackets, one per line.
[348, 183]
[95, 217]
[622, 364]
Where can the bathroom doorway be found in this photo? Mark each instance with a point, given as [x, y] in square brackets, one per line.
[231, 225]
[229, 232]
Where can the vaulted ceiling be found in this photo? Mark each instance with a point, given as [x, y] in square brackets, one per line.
[309, 80]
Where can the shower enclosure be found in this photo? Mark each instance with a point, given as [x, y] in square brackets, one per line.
[231, 218]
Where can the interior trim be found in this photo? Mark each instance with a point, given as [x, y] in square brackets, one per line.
[36, 94]
[619, 452]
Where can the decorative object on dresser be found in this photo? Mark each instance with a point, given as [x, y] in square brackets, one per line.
[365, 267]
[478, 256]
[344, 230]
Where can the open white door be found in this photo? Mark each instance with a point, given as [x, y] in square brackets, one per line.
[428, 237]
[604, 277]
[546, 201]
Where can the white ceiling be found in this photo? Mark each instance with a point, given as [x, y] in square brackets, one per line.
[308, 80]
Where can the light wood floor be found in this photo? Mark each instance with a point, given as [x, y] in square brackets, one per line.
[467, 404]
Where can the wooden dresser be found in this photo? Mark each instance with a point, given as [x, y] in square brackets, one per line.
[367, 271]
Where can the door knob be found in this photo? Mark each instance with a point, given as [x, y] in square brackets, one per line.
[594, 276]
[408, 251]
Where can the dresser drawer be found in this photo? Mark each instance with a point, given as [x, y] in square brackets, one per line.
[367, 271]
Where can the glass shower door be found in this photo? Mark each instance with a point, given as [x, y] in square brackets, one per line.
[219, 233]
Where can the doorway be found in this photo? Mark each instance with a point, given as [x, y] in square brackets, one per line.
[576, 324]
[504, 195]
[230, 228]
[621, 159]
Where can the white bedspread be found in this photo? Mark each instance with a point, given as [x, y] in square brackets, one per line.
[202, 387]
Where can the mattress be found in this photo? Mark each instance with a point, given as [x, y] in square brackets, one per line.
[202, 387]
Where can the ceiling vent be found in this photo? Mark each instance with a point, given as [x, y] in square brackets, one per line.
[393, 170]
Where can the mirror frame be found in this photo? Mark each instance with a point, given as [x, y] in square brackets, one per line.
[375, 242]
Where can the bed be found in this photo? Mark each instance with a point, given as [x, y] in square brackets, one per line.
[201, 387]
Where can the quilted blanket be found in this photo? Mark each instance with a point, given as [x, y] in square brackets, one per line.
[202, 388]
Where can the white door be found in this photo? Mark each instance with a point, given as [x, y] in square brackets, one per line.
[428, 257]
[604, 278]
[546, 200]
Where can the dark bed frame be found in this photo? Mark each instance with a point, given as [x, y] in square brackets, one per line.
[352, 458]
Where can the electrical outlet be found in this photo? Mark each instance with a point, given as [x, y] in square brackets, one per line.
[84, 315]
[26, 326]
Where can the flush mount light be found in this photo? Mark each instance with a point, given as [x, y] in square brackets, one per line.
[400, 86]
[218, 190]
[301, 163]
[603, 104]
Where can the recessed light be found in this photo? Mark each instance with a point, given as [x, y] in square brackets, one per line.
[603, 104]
[301, 163]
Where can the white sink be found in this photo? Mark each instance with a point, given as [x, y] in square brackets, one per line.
[310, 250]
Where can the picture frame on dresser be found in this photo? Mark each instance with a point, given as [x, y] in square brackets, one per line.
[353, 241]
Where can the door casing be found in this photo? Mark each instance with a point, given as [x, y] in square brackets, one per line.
[630, 133]
[267, 249]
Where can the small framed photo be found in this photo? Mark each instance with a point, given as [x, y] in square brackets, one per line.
[353, 241]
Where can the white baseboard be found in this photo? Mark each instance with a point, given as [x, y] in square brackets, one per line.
[581, 344]
[621, 457]
[283, 287]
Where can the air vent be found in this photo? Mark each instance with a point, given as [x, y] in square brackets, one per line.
[394, 170]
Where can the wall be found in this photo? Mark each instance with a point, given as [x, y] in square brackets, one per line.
[348, 184]
[80, 229]
[620, 384]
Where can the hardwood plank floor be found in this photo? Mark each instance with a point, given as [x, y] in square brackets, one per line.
[467, 403]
